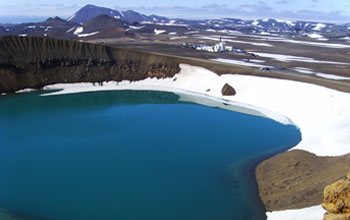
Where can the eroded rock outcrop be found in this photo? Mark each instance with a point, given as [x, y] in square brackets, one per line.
[228, 90]
[337, 200]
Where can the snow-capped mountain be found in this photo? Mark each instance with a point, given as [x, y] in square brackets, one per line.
[104, 22]
[90, 11]
[248, 26]
[270, 25]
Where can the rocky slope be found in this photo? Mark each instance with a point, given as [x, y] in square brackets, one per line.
[103, 26]
[296, 179]
[89, 11]
[29, 62]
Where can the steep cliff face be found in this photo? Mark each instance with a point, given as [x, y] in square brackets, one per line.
[30, 62]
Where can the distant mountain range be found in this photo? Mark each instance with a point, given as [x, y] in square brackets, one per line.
[99, 22]
[89, 11]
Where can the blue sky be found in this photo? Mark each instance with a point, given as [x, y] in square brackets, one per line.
[317, 10]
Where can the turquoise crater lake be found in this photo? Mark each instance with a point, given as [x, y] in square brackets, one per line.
[131, 155]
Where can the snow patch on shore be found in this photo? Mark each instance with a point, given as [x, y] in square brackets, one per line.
[322, 114]
[311, 213]
[25, 90]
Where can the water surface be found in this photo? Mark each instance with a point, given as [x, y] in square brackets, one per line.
[131, 155]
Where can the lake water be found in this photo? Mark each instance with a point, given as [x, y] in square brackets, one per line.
[131, 155]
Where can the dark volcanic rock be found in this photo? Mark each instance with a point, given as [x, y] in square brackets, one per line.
[89, 11]
[105, 27]
[228, 90]
[133, 16]
[31, 62]
[103, 21]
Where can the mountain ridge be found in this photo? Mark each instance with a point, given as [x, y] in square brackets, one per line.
[134, 22]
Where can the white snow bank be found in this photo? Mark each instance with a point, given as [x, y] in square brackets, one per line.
[289, 58]
[312, 213]
[135, 27]
[323, 75]
[178, 37]
[191, 32]
[159, 31]
[239, 62]
[78, 30]
[215, 38]
[289, 22]
[319, 26]
[70, 29]
[25, 90]
[322, 114]
[317, 44]
[308, 43]
[330, 76]
[88, 34]
[257, 61]
[71, 17]
[304, 70]
[314, 36]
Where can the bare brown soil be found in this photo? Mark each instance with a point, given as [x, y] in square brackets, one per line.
[296, 179]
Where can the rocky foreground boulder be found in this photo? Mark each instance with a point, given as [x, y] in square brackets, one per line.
[337, 200]
[228, 90]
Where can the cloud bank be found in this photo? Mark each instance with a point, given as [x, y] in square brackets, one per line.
[261, 9]
[245, 11]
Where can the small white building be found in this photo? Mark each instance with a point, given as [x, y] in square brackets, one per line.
[220, 47]
[217, 48]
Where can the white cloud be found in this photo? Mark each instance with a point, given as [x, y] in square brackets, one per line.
[245, 11]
